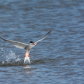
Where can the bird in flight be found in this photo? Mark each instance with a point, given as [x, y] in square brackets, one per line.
[27, 47]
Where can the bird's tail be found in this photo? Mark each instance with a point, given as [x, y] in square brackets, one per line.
[27, 60]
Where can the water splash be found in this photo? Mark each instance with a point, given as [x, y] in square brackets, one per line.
[1, 49]
[11, 58]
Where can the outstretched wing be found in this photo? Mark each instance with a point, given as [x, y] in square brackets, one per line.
[43, 37]
[15, 43]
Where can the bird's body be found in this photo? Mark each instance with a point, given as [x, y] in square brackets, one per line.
[25, 46]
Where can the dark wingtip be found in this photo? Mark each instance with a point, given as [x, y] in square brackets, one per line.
[3, 38]
[48, 32]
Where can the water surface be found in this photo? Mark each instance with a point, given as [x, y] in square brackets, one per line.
[59, 59]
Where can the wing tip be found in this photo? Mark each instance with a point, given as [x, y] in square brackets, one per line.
[48, 33]
[3, 39]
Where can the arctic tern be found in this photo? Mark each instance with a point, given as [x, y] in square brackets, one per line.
[27, 47]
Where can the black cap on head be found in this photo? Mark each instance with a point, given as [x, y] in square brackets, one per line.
[31, 42]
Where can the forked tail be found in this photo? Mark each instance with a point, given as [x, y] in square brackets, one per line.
[27, 59]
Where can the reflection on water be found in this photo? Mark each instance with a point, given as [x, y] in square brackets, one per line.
[27, 67]
[59, 59]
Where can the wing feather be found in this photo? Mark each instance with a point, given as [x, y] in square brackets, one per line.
[16, 43]
[43, 37]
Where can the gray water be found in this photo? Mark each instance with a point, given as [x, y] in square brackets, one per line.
[59, 59]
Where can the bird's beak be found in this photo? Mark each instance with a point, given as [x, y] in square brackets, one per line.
[33, 43]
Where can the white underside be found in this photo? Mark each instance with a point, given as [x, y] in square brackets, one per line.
[27, 60]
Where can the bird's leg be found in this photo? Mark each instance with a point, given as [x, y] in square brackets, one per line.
[26, 54]
[26, 59]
